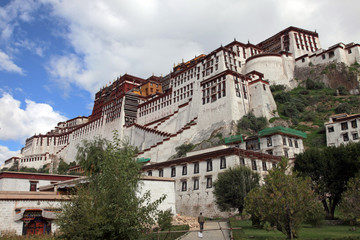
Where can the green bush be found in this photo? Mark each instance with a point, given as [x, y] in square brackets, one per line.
[343, 91]
[343, 108]
[164, 220]
[277, 87]
[250, 122]
[312, 85]
[282, 97]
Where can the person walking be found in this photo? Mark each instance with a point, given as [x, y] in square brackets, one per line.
[201, 221]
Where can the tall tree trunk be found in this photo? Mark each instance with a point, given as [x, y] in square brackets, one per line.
[326, 207]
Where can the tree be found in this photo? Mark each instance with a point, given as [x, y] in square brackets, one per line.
[109, 205]
[330, 169]
[283, 200]
[63, 167]
[232, 186]
[349, 206]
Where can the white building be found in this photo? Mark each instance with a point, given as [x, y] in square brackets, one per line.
[30, 202]
[342, 129]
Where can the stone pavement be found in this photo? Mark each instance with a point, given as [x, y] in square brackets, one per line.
[211, 232]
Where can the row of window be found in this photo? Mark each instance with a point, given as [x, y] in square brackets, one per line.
[209, 167]
[209, 183]
[290, 142]
[344, 126]
[346, 138]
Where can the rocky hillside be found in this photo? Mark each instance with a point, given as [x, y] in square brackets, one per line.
[333, 75]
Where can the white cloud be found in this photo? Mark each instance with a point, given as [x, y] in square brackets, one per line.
[6, 153]
[141, 37]
[17, 123]
[6, 64]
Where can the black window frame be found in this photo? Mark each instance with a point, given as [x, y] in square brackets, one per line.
[209, 166]
[222, 162]
[184, 170]
[196, 167]
[209, 183]
[253, 165]
[264, 166]
[196, 184]
[161, 172]
[173, 171]
[183, 185]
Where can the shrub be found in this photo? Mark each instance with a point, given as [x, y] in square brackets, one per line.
[282, 97]
[343, 108]
[290, 110]
[312, 85]
[277, 87]
[164, 220]
[343, 91]
[250, 122]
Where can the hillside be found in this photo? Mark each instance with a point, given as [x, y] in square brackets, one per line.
[322, 91]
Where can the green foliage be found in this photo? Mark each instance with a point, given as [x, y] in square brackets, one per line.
[325, 232]
[183, 149]
[282, 97]
[313, 85]
[283, 200]
[277, 87]
[343, 108]
[343, 91]
[63, 167]
[315, 215]
[232, 186]
[330, 169]
[349, 206]
[109, 206]
[252, 123]
[164, 220]
[27, 169]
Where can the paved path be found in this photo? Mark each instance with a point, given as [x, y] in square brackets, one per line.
[211, 232]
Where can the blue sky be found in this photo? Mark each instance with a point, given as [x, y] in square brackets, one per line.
[55, 54]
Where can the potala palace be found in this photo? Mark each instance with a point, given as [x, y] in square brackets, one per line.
[198, 99]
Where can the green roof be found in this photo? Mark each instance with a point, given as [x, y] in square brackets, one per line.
[280, 129]
[143, 160]
[235, 138]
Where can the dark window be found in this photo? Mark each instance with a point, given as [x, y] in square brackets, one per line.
[173, 171]
[349, 51]
[209, 182]
[209, 165]
[242, 161]
[269, 141]
[346, 137]
[264, 87]
[253, 165]
[286, 153]
[274, 165]
[33, 186]
[196, 167]
[284, 140]
[344, 126]
[323, 56]
[354, 124]
[296, 143]
[184, 170]
[264, 166]
[149, 173]
[331, 129]
[290, 142]
[222, 162]
[331, 54]
[161, 172]
[269, 152]
[196, 183]
[183, 186]
[355, 136]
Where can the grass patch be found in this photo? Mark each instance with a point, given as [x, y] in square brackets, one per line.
[307, 232]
